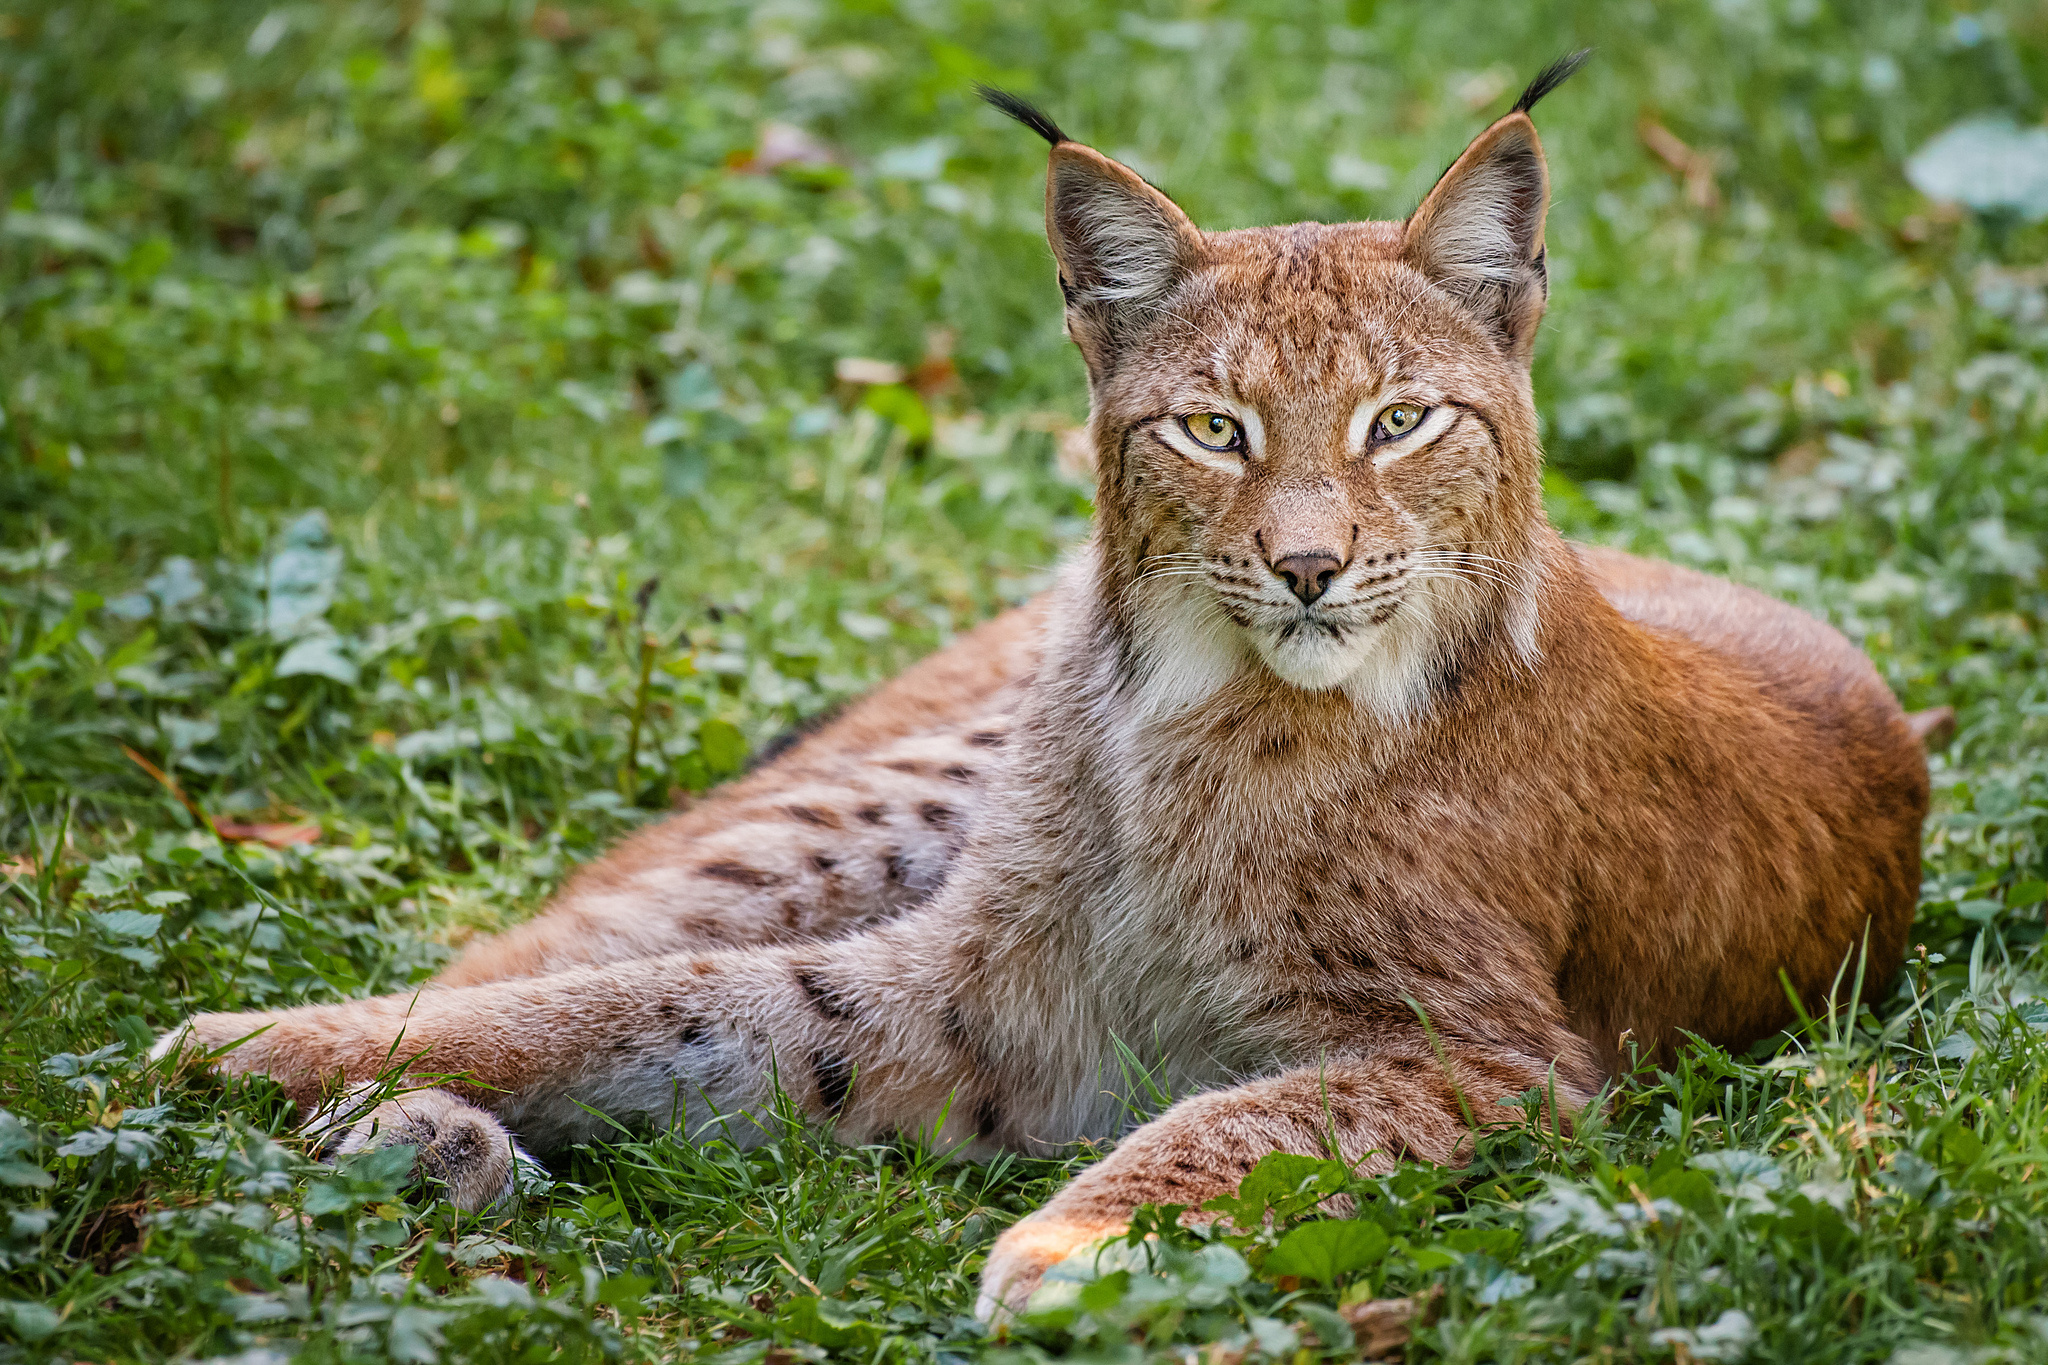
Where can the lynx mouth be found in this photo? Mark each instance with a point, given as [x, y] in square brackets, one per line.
[1320, 648]
[1365, 636]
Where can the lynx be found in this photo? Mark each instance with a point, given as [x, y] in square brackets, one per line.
[1327, 773]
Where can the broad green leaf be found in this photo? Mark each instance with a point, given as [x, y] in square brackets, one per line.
[1283, 1184]
[1327, 1250]
[1961, 1147]
[685, 469]
[110, 875]
[723, 746]
[1105, 1293]
[318, 656]
[862, 626]
[87, 1142]
[693, 389]
[373, 1177]
[329, 1196]
[415, 1334]
[901, 406]
[625, 1293]
[1987, 163]
[1812, 1226]
[127, 923]
[500, 1292]
[1690, 1190]
[1220, 1265]
[31, 1321]
[1499, 1243]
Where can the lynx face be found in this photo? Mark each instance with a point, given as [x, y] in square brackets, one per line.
[1316, 443]
[1347, 503]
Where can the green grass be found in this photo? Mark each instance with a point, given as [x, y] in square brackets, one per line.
[360, 363]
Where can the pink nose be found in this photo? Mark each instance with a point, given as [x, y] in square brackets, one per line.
[1308, 576]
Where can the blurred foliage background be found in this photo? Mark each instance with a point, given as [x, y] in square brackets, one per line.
[435, 437]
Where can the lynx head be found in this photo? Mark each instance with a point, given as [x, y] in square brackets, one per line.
[1316, 445]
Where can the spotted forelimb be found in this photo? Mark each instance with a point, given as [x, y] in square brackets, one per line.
[854, 1032]
[1410, 1097]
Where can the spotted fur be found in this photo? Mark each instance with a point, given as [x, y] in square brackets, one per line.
[1349, 862]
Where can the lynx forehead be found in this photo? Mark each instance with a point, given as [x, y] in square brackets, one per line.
[1327, 769]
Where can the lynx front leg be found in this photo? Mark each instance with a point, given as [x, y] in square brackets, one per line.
[1404, 1100]
[854, 1031]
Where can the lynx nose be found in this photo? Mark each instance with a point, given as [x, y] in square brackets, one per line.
[1308, 576]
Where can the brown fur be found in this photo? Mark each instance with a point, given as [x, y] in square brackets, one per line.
[1350, 869]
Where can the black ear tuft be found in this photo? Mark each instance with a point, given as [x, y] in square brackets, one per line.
[1478, 235]
[1552, 76]
[1025, 112]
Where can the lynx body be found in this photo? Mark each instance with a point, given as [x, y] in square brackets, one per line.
[1328, 774]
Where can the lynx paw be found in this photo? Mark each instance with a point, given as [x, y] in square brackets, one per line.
[465, 1149]
[1021, 1256]
[461, 1146]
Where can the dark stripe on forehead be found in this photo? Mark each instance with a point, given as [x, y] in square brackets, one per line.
[1343, 327]
[1386, 355]
[1307, 258]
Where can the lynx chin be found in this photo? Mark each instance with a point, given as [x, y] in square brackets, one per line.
[1327, 769]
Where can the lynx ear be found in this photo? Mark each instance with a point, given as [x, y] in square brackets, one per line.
[1121, 245]
[1479, 233]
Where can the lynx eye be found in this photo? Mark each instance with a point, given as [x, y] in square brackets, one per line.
[1398, 419]
[1214, 431]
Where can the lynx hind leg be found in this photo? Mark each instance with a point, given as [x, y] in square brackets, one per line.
[820, 853]
[461, 1147]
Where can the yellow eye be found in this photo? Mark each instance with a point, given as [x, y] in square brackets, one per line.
[1213, 431]
[1398, 419]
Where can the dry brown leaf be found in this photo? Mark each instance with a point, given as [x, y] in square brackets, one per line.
[935, 373]
[277, 836]
[1797, 461]
[1383, 1326]
[554, 23]
[1697, 168]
